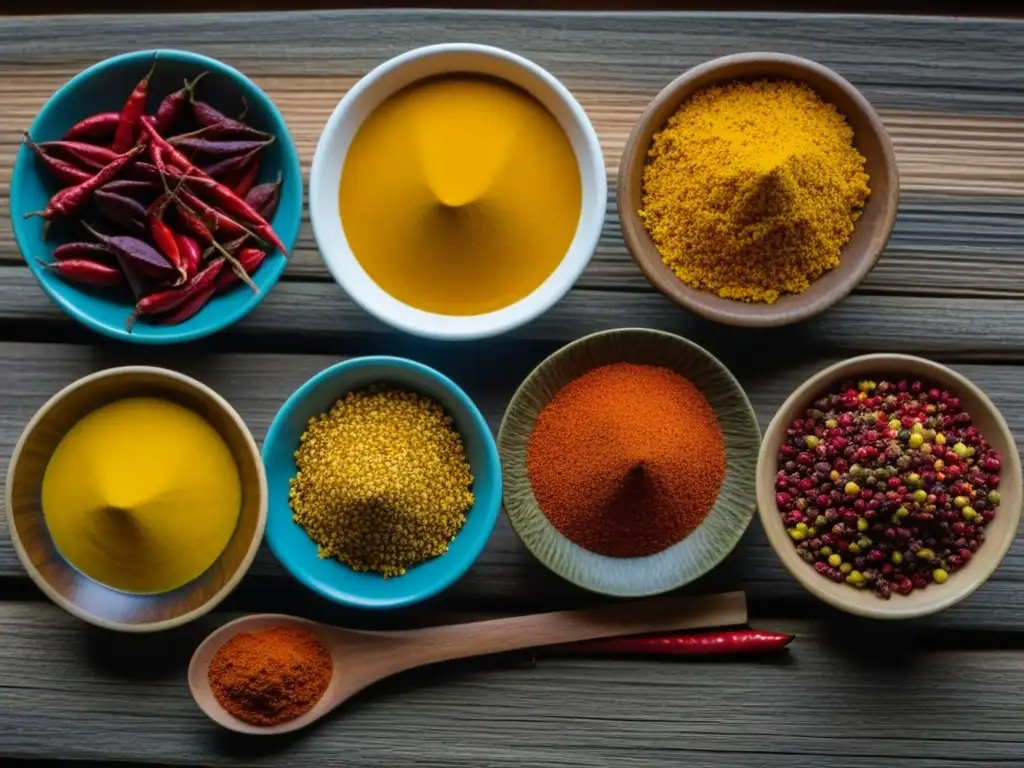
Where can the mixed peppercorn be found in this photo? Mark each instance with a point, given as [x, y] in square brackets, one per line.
[887, 484]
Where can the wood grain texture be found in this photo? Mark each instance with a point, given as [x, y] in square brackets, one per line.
[507, 711]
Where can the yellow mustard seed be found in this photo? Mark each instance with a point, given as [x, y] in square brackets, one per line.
[383, 482]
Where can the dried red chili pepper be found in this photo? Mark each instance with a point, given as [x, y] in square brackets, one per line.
[163, 235]
[136, 190]
[250, 259]
[131, 113]
[229, 166]
[88, 251]
[95, 127]
[142, 171]
[707, 644]
[72, 199]
[85, 156]
[189, 308]
[208, 115]
[244, 184]
[233, 204]
[165, 301]
[212, 148]
[214, 219]
[265, 197]
[223, 196]
[123, 210]
[87, 272]
[195, 225]
[136, 254]
[170, 108]
[220, 132]
[61, 170]
[191, 255]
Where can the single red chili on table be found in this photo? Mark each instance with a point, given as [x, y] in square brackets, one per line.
[94, 127]
[60, 169]
[734, 641]
[131, 113]
[87, 272]
[72, 199]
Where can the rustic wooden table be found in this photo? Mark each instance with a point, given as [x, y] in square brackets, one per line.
[942, 692]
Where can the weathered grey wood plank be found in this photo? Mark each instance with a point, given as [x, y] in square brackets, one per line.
[69, 692]
[318, 316]
[506, 577]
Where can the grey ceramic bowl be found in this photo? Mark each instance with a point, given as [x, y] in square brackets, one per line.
[78, 594]
[681, 563]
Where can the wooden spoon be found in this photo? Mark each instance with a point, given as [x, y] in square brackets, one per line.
[362, 658]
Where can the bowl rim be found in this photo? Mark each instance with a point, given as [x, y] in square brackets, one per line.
[340, 260]
[291, 159]
[804, 573]
[478, 424]
[664, 337]
[645, 254]
[254, 455]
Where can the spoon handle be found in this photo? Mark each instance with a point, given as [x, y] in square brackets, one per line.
[434, 644]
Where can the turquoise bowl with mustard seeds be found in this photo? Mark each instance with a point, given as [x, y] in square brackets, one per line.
[104, 87]
[331, 578]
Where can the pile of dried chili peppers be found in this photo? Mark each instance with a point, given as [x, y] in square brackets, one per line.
[165, 205]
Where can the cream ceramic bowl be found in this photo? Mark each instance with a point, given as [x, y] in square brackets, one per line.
[999, 534]
[60, 581]
[366, 96]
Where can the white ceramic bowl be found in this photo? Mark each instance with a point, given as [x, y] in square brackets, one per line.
[366, 96]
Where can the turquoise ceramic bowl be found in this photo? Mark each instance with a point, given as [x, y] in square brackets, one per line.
[104, 87]
[332, 579]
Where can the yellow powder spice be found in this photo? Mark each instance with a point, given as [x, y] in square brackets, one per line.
[752, 188]
[383, 482]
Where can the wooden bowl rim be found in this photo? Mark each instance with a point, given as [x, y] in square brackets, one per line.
[202, 390]
[967, 581]
[704, 303]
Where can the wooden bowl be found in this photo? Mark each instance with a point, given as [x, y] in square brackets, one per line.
[67, 587]
[870, 234]
[999, 534]
[713, 539]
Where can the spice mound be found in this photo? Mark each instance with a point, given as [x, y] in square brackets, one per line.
[626, 460]
[752, 188]
[887, 485]
[383, 481]
[272, 676]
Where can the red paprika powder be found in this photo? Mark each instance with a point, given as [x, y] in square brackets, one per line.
[626, 460]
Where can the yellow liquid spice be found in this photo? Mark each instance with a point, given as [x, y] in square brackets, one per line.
[460, 195]
[142, 495]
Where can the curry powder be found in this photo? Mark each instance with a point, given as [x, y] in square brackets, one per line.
[751, 189]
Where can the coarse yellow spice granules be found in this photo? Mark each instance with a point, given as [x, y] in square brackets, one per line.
[383, 480]
[752, 188]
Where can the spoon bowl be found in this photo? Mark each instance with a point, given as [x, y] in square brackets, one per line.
[361, 658]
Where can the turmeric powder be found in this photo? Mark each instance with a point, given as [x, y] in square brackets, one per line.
[751, 189]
